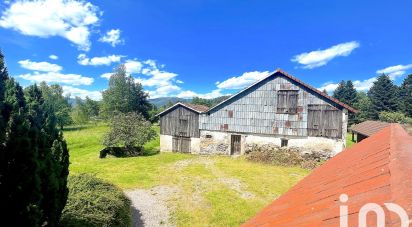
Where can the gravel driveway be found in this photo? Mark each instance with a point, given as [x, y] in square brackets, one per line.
[149, 206]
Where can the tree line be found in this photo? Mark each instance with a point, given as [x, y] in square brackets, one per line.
[384, 101]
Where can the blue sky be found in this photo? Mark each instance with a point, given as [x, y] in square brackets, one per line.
[204, 48]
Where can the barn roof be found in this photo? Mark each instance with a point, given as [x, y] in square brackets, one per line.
[369, 128]
[194, 107]
[376, 170]
[303, 84]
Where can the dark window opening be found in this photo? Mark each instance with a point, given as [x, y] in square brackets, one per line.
[283, 142]
[208, 136]
[230, 113]
[287, 101]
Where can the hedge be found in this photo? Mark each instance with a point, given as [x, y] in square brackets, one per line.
[93, 202]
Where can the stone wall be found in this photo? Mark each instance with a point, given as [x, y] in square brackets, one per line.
[212, 142]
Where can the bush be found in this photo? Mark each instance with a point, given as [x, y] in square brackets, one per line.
[394, 117]
[93, 202]
[286, 156]
[130, 131]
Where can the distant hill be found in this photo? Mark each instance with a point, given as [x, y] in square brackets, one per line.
[159, 102]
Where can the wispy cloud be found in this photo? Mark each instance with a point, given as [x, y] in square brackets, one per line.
[40, 66]
[112, 37]
[82, 93]
[319, 58]
[53, 57]
[82, 59]
[210, 95]
[395, 71]
[72, 20]
[57, 77]
[243, 80]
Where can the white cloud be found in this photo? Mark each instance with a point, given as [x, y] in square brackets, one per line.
[242, 81]
[106, 75]
[82, 93]
[106, 60]
[40, 66]
[329, 87]
[53, 57]
[70, 19]
[360, 85]
[56, 77]
[190, 94]
[319, 58]
[133, 66]
[112, 37]
[395, 71]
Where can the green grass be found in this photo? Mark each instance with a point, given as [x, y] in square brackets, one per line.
[349, 142]
[207, 195]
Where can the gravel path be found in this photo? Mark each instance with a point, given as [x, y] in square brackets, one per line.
[149, 206]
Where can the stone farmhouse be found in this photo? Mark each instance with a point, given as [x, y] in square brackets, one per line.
[279, 110]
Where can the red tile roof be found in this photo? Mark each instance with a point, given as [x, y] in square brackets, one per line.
[369, 128]
[376, 170]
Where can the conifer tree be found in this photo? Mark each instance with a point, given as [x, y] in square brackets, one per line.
[383, 95]
[19, 166]
[339, 92]
[406, 96]
[53, 156]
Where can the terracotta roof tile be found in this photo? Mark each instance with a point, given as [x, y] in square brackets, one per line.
[369, 128]
[376, 170]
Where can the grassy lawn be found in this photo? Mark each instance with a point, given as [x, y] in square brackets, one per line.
[213, 190]
[349, 142]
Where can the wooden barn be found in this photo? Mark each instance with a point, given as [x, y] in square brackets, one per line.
[179, 128]
[279, 109]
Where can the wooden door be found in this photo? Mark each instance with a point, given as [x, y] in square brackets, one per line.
[324, 120]
[314, 117]
[181, 144]
[235, 145]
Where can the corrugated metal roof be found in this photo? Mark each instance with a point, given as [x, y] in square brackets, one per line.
[285, 74]
[369, 128]
[376, 170]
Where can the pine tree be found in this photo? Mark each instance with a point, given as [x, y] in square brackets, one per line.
[350, 93]
[339, 92]
[406, 96]
[125, 95]
[53, 156]
[19, 180]
[383, 95]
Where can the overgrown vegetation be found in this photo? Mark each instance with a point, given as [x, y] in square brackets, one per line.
[34, 158]
[129, 132]
[203, 183]
[93, 202]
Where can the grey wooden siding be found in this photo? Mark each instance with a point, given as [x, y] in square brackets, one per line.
[256, 111]
[180, 121]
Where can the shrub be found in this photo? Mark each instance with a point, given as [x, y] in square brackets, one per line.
[130, 131]
[394, 117]
[93, 202]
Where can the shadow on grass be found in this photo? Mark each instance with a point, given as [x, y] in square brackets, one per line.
[75, 128]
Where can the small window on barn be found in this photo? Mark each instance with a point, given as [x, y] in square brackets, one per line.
[283, 142]
[287, 102]
[230, 113]
[208, 136]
